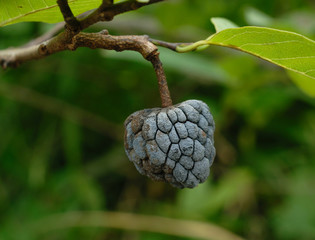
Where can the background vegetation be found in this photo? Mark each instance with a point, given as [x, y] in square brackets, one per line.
[61, 120]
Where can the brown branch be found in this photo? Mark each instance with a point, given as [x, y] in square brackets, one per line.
[15, 56]
[163, 87]
[141, 44]
[12, 57]
[72, 38]
[105, 12]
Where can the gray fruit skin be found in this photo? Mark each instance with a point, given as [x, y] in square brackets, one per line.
[173, 144]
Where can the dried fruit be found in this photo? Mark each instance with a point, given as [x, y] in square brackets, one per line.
[173, 144]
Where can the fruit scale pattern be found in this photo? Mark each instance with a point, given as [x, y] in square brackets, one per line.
[173, 144]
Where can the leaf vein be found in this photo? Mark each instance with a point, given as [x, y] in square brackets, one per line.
[270, 43]
[245, 32]
[308, 71]
[293, 58]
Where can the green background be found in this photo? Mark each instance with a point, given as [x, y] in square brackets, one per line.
[61, 119]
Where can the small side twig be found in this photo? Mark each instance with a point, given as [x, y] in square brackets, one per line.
[105, 4]
[160, 74]
[168, 45]
[72, 23]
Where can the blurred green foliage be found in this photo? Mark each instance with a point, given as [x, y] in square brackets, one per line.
[262, 180]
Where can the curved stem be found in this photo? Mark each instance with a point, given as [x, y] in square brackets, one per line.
[72, 23]
[163, 87]
[168, 45]
[187, 48]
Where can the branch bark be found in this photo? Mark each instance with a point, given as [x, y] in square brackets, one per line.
[71, 39]
[102, 40]
[68, 39]
[15, 56]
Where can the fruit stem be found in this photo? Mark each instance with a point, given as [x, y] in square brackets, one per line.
[163, 87]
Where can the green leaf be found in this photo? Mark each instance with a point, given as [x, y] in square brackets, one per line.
[306, 84]
[40, 10]
[286, 49]
[221, 24]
